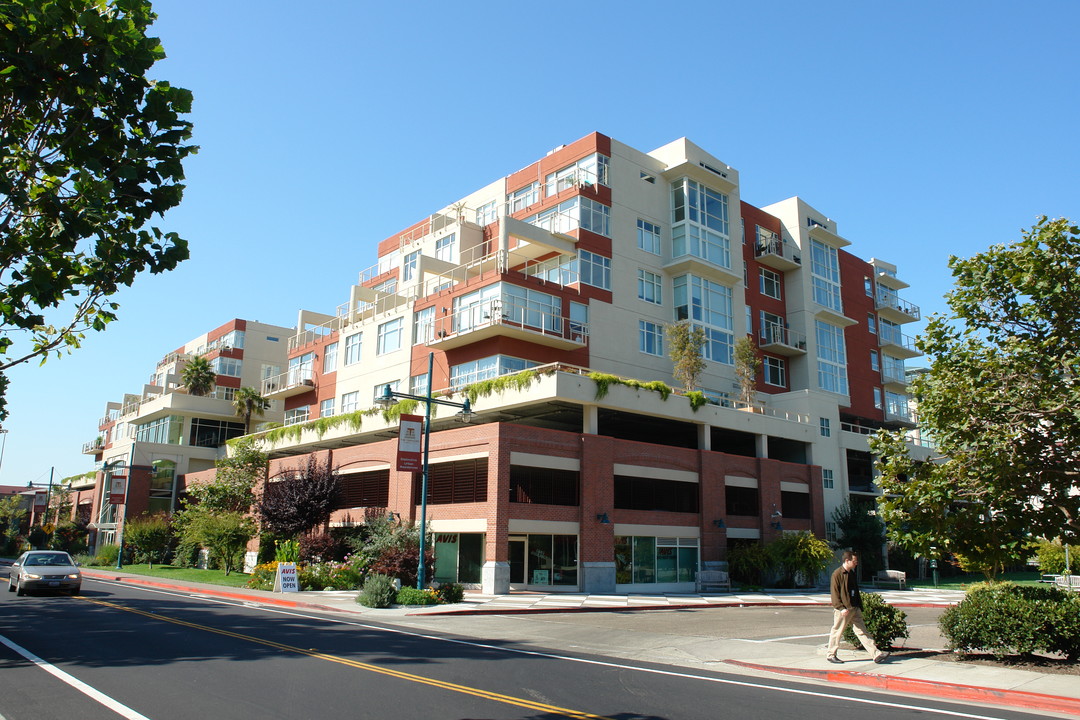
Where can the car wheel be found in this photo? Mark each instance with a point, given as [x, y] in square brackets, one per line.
[19, 589]
[11, 584]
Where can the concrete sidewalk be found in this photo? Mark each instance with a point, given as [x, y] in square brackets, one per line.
[907, 671]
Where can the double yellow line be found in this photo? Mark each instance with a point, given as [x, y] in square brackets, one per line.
[453, 687]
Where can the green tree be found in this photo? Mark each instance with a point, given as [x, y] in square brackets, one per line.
[224, 534]
[91, 150]
[198, 376]
[686, 344]
[747, 365]
[799, 556]
[1000, 400]
[858, 528]
[248, 402]
[150, 535]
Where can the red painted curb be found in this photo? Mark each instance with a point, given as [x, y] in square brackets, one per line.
[949, 691]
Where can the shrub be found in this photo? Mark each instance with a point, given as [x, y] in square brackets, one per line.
[1051, 556]
[799, 555]
[331, 576]
[450, 593]
[416, 596]
[321, 548]
[378, 591]
[884, 623]
[401, 563]
[287, 551]
[263, 576]
[749, 562]
[106, 555]
[1005, 618]
[70, 537]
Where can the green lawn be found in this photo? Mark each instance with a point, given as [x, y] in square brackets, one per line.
[183, 574]
[963, 582]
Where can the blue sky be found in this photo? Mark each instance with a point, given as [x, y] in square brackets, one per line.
[923, 128]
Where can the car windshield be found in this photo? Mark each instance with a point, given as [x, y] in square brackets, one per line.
[48, 559]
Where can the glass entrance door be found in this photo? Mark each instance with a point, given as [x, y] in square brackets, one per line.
[517, 560]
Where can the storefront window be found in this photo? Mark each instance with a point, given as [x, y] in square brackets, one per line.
[655, 560]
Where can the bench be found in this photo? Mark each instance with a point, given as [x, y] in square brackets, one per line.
[713, 578]
[1067, 582]
[889, 577]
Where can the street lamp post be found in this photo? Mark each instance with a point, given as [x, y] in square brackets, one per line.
[465, 414]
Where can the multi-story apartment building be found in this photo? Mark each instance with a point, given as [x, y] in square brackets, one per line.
[155, 437]
[582, 475]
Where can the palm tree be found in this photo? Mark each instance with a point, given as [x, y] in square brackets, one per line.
[247, 402]
[198, 377]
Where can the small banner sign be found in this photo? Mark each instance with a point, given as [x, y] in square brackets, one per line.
[117, 485]
[286, 579]
[408, 451]
[39, 502]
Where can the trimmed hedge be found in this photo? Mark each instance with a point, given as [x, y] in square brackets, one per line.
[1009, 619]
[884, 623]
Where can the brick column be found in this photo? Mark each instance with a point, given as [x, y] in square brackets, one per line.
[596, 552]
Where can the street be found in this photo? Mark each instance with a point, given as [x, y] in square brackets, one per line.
[131, 652]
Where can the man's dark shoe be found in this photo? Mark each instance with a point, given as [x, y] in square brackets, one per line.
[881, 657]
[834, 659]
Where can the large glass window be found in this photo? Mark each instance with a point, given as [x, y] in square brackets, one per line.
[300, 369]
[708, 305]
[649, 287]
[161, 486]
[894, 368]
[213, 433]
[298, 415]
[552, 560]
[352, 349]
[650, 338]
[775, 371]
[699, 223]
[831, 358]
[424, 325]
[487, 213]
[446, 248]
[389, 338]
[648, 236]
[350, 402]
[408, 265]
[326, 407]
[329, 361]
[591, 170]
[770, 283]
[825, 274]
[646, 560]
[167, 430]
[523, 198]
[226, 366]
[487, 368]
[595, 269]
[577, 212]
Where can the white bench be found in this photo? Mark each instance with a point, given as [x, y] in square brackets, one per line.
[890, 576]
[1067, 582]
[713, 578]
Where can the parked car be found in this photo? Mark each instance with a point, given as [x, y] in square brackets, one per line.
[44, 570]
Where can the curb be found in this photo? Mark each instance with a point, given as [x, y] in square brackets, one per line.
[947, 691]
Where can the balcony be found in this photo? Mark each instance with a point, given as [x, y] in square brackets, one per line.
[93, 447]
[780, 340]
[897, 344]
[891, 307]
[899, 414]
[778, 255]
[294, 381]
[496, 318]
[894, 381]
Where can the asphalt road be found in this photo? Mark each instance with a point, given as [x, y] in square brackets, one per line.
[121, 651]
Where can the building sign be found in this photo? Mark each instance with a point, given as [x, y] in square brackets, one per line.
[286, 579]
[410, 431]
[39, 502]
[117, 485]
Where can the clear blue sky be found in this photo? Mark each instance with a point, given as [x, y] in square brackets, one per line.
[924, 129]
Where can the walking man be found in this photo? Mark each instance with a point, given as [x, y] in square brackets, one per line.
[847, 610]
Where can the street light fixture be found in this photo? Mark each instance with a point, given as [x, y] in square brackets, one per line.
[386, 400]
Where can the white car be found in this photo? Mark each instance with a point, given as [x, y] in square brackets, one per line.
[44, 570]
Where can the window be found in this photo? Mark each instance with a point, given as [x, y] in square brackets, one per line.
[165, 431]
[877, 398]
[226, 366]
[775, 372]
[871, 323]
[651, 179]
[329, 358]
[380, 389]
[831, 358]
[795, 504]
[523, 198]
[891, 332]
[896, 404]
[352, 349]
[654, 494]
[445, 247]
[424, 325]
[648, 237]
[418, 384]
[297, 415]
[874, 364]
[700, 223]
[826, 479]
[708, 305]
[300, 369]
[224, 393]
[825, 427]
[487, 213]
[868, 286]
[650, 338]
[648, 287]
[213, 433]
[825, 275]
[350, 402]
[487, 368]
[326, 407]
[459, 481]
[579, 321]
[830, 532]
[577, 212]
[894, 368]
[741, 501]
[389, 337]
[595, 269]
[773, 329]
[587, 171]
[648, 560]
[408, 265]
[526, 306]
[770, 283]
